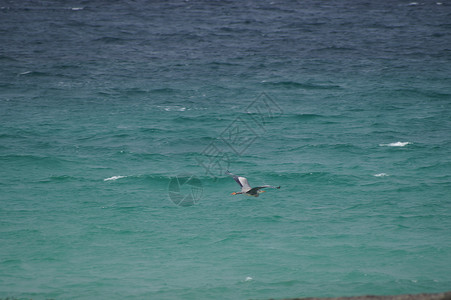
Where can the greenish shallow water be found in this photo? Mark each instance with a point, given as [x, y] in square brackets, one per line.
[346, 105]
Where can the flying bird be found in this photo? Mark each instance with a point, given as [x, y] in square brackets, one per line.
[246, 188]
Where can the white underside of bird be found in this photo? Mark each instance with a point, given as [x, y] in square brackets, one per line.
[246, 189]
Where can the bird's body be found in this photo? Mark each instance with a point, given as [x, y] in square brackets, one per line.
[246, 188]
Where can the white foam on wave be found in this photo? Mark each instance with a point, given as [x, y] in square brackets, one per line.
[381, 175]
[114, 178]
[248, 278]
[77, 8]
[173, 108]
[397, 144]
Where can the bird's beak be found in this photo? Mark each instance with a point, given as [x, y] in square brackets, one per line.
[233, 193]
[262, 191]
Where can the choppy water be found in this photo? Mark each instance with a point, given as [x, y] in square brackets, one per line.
[103, 107]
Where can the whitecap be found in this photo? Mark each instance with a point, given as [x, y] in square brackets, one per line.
[381, 175]
[248, 278]
[114, 178]
[173, 108]
[77, 8]
[397, 144]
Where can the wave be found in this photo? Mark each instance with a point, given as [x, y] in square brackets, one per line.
[114, 178]
[33, 73]
[313, 177]
[418, 92]
[381, 175]
[334, 48]
[397, 144]
[30, 159]
[299, 85]
[155, 130]
[307, 116]
[7, 58]
[165, 91]
[308, 144]
[200, 119]
[62, 179]
[9, 136]
[141, 177]
[223, 63]
[173, 108]
[146, 156]
[110, 40]
[310, 117]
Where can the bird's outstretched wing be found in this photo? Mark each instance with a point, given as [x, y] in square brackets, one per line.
[256, 189]
[242, 181]
[236, 178]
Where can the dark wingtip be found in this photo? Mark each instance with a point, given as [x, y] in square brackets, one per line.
[278, 187]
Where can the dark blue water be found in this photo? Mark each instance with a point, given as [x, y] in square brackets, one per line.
[118, 120]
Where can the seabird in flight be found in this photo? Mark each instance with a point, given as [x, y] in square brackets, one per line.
[246, 188]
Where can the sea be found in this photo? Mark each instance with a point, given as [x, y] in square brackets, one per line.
[119, 120]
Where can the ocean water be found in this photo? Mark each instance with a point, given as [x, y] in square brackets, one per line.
[118, 120]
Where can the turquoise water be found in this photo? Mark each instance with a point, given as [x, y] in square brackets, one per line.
[106, 107]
